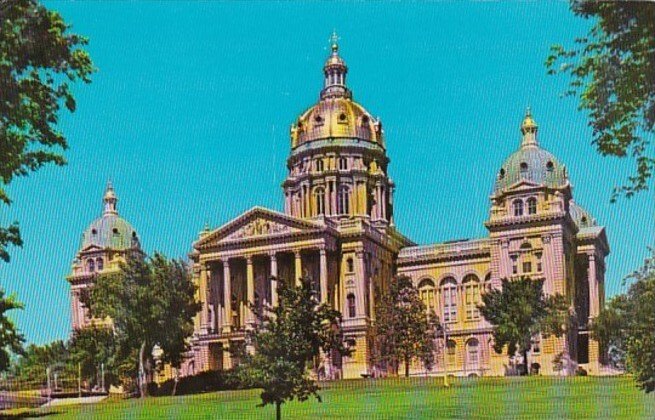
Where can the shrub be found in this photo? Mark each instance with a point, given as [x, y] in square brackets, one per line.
[209, 381]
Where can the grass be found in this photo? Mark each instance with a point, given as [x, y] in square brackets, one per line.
[415, 398]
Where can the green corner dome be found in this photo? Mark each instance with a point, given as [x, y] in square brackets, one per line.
[110, 231]
[531, 163]
[580, 216]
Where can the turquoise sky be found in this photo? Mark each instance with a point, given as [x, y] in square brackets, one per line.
[189, 115]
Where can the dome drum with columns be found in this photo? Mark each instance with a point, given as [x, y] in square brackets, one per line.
[337, 231]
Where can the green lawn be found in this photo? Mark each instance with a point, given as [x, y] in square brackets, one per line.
[416, 398]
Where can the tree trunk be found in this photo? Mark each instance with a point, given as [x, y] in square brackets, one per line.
[143, 385]
[278, 410]
[407, 359]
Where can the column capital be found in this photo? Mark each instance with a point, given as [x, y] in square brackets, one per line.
[273, 255]
[322, 250]
[249, 259]
[591, 256]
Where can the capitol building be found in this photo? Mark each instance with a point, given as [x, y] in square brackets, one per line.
[338, 230]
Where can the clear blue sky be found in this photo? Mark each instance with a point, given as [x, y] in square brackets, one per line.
[189, 115]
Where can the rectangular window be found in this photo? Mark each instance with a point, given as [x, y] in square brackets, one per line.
[515, 269]
[450, 304]
[472, 294]
[527, 267]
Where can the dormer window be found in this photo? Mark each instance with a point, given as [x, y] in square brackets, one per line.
[501, 174]
[94, 232]
[550, 166]
[318, 119]
[365, 119]
[342, 117]
[524, 167]
[115, 231]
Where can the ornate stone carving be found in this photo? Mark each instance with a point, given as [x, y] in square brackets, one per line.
[260, 227]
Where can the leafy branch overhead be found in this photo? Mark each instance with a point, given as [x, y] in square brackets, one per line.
[39, 60]
[612, 71]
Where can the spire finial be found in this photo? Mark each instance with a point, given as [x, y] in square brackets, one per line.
[110, 199]
[529, 129]
[334, 40]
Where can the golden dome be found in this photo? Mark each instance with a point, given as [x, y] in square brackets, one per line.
[336, 117]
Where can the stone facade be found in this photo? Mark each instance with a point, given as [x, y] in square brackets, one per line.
[337, 229]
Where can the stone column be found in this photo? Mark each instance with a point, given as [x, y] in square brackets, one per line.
[211, 309]
[250, 290]
[202, 295]
[298, 271]
[323, 275]
[360, 312]
[593, 287]
[227, 297]
[274, 279]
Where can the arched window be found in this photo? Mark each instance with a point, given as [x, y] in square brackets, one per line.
[532, 205]
[518, 207]
[449, 299]
[100, 264]
[472, 296]
[472, 352]
[351, 305]
[351, 265]
[319, 165]
[343, 202]
[426, 293]
[90, 266]
[319, 199]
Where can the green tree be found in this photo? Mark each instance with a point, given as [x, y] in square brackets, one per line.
[627, 323]
[39, 59]
[11, 340]
[286, 339]
[151, 303]
[404, 329]
[93, 349]
[520, 310]
[35, 361]
[612, 70]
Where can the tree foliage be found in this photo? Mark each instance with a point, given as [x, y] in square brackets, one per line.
[286, 339]
[520, 310]
[11, 340]
[404, 329]
[612, 70]
[93, 350]
[39, 59]
[151, 303]
[627, 326]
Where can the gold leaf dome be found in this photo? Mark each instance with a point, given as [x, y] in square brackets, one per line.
[336, 115]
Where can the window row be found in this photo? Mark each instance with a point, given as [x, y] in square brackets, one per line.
[93, 265]
[449, 294]
[529, 206]
[343, 201]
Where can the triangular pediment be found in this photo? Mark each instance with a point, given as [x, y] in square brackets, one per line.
[90, 248]
[257, 223]
[522, 185]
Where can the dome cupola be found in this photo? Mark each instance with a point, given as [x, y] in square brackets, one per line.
[531, 162]
[336, 115]
[110, 231]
